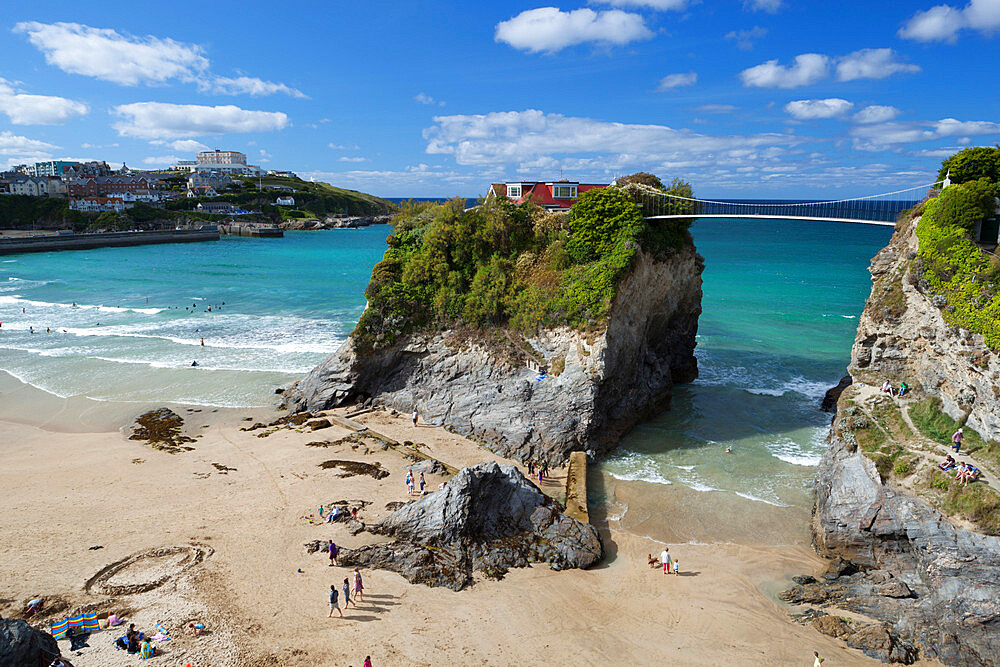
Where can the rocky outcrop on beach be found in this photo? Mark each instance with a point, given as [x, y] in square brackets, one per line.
[23, 646]
[487, 519]
[902, 336]
[899, 560]
[598, 385]
[335, 222]
[933, 583]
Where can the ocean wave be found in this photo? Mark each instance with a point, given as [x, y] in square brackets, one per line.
[629, 466]
[789, 451]
[129, 331]
[22, 302]
[750, 496]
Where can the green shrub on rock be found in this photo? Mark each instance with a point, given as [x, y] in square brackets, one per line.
[506, 265]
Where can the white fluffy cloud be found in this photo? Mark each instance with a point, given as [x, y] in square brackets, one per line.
[25, 109]
[745, 38]
[107, 54]
[942, 23]
[543, 141]
[871, 64]
[832, 107]
[661, 5]
[883, 136]
[12, 144]
[182, 145]
[551, 29]
[808, 69]
[158, 120]
[876, 114]
[674, 81]
[249, 85]
[770, 6]
[423, 98]
[352, 159]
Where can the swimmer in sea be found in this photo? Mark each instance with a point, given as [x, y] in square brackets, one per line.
[729, 450]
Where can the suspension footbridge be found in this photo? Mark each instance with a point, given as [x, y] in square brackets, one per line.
[879, 209]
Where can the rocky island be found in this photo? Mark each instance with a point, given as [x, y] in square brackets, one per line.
[535, 333]
[912, 547]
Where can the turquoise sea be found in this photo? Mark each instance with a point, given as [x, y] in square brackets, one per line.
[781, 301]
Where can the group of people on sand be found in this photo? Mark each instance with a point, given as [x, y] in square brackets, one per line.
[887, 388]
[541, 471]
[411, 486]
[351, 596]
[964, 472]
[666, 561]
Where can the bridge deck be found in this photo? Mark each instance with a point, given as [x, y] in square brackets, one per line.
[738, 216]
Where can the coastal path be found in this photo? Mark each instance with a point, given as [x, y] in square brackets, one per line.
[878, 209]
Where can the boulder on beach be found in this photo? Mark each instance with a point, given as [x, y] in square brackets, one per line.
[23, 646]
[488, 518]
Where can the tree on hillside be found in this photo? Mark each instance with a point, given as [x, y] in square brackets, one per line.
[971, 164]
[966, 204]
[642, 178]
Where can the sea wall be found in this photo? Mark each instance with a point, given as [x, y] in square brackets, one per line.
[104, 240]
[600, 383]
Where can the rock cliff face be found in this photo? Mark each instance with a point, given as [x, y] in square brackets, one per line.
[488, 518]
[600, 384]
[902, 336]
[935, 583]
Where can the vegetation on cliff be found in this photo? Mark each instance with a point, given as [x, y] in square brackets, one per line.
[311, 198]
[953, 265]
[501, 265]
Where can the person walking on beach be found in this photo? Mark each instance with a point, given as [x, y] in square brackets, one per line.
[414, 416]
[333, 602]
[666, 560]
[367, 662]
[531, 467]
[409, 482]
[347, 594]
[359, 587]
[956, 440]
[818, 662]
[332, 548]
[422, 483]
[203, 342]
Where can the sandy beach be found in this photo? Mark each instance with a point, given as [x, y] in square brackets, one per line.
[220, 532]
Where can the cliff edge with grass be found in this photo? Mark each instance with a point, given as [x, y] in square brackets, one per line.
[913, 548]
[533, 332]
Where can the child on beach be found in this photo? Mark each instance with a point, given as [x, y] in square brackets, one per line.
[333, 602]
[347, 594]
[359, 588]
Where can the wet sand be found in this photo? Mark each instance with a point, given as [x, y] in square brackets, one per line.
[73, 481]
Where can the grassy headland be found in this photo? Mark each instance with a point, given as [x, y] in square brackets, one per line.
[508, 269]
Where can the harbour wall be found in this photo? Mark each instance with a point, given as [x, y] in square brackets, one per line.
[105, 240]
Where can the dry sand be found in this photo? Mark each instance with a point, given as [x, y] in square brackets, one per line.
[238, 501]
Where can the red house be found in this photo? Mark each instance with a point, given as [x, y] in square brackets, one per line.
[554, 196]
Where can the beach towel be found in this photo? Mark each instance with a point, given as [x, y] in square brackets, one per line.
[84, 621]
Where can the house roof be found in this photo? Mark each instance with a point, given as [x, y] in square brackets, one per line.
[541, 192]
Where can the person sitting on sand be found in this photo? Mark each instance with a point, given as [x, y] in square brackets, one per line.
[887, 387]
[132, 639]
[947, 464]
[653, 562]
[332, 515]
[196, 629]
[113, 620]
[147, 650]
[903, 388]
[961, 470]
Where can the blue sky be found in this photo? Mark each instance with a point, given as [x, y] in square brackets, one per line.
[752, 98]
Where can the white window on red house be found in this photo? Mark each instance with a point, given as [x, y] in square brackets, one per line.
[564, 192]
[513, 191]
